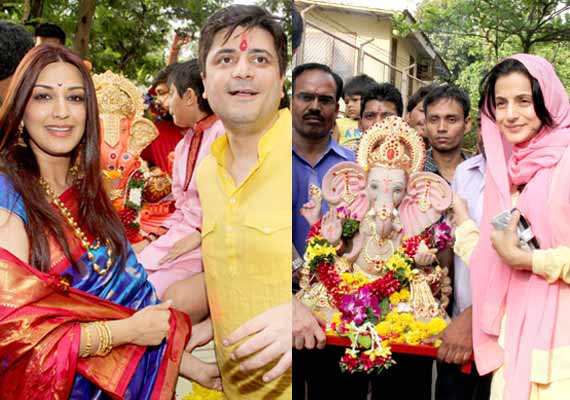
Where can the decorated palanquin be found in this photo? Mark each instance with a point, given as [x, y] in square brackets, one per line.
[141, 196]
[371, 265]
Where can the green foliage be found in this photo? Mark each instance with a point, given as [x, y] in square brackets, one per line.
[130, 37]
[350, 227]
[473, 35]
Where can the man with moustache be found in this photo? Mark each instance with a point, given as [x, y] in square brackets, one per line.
[447, 119]
[316, 92]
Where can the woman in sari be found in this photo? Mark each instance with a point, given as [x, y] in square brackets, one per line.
[78, 318]
[521, 295]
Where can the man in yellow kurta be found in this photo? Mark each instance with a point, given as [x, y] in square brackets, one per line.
[245, 192]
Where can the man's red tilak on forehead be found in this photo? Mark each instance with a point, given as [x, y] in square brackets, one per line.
[243, 43]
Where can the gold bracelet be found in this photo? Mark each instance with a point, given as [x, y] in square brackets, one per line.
[102, 338]
[109, 336]
[88, 338]
[106, 339]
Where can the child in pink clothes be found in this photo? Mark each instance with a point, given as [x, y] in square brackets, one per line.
[176, 254]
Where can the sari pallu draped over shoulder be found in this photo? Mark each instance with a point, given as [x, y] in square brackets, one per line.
[40, 315]
[537, 328]
[39, 339]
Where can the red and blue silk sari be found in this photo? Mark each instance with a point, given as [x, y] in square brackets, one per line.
[40, 315]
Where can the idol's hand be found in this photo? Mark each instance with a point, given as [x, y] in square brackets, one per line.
[331, 227]
[269, 339]
[311, 210]
[506, 244]
[424, 255]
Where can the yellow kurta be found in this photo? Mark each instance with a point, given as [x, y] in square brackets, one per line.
[551, 264]
[246, 249]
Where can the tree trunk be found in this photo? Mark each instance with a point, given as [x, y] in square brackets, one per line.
[32, 10]
[84, 21]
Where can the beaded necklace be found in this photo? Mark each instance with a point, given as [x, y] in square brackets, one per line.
[89, 248]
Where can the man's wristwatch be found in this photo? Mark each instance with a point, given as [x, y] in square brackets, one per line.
[297, 263]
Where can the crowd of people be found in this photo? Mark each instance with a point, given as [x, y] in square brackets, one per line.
[84, 313]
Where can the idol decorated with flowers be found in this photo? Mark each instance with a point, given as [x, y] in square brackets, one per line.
[371, 263]
[140, 196]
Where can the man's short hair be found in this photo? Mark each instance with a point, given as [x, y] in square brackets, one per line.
[186, 76]
[162, 75]
[47, 30]
[15, 42]
[383, 92]
[448, 91]
[320, 67]
[297, 22]
[245, 16]
[418, 96]
[358, 86]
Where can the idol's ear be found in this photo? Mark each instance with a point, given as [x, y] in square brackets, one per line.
[344, 186]
[428, 196]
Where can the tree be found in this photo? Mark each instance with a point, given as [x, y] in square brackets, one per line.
[126, 36]
[32, 10]
[84, 21]
[473, 35]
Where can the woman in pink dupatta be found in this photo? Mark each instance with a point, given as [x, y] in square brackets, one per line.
[521, 298]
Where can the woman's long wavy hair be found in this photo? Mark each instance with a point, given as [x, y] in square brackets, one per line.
[96, 214]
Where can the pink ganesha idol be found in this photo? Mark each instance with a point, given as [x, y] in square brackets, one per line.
[140, 196]
[388, 197]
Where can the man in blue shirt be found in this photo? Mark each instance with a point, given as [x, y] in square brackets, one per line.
[315, 106]
[316, 91]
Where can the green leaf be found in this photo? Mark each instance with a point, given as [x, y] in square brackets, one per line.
[364, 341]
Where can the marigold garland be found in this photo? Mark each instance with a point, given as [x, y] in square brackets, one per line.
[369, 310]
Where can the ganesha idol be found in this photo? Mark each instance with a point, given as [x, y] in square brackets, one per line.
[389, 198]
[139, 195]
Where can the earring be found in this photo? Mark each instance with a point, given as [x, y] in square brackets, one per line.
[20, 142]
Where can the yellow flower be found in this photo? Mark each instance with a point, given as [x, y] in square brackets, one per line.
[406, 318]
[336, 318]
[437, 343]
[316, 250]
[392, 316]
[394, 298]
[383, 328]
[436, 325]
[398, 327]
[412, 338]
[201, 393]
[404, 294]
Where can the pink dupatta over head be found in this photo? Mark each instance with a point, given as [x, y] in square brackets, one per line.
[534, 308]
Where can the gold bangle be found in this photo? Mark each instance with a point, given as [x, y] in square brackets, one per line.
[106, 339]
[88, 339]
[109, 336]
[102, 338]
